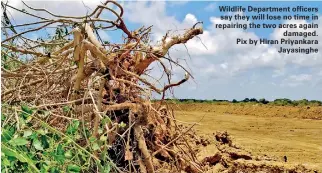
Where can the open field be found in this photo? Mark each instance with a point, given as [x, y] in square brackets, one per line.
[305, 112]
[298, 139]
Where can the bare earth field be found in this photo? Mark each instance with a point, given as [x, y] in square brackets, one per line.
[275, 133]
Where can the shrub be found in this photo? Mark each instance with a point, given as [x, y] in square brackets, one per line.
[315, 103]
[282, 102]
[263, 101]
[253, 100]
[246, 100]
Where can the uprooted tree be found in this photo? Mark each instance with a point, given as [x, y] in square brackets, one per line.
[98, 80]
[74, 76]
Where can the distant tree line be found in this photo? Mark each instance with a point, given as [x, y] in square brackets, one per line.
[277, 102]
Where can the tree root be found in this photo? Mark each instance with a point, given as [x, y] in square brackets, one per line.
[146, 156]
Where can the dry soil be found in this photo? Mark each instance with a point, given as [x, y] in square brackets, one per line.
[278, 134]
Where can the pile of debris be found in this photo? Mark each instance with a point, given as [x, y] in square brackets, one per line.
[230, 158]
[97, 80]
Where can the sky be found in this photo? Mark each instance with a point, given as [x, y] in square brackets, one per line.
[221, 68]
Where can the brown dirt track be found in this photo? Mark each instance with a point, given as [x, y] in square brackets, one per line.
[277, 131]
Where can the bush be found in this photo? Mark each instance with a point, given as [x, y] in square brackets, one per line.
[315, 103]
[263, 101]
[246, 100]
[253, 100]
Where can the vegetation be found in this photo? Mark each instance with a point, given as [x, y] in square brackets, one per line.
[72, 102]
[27, 147]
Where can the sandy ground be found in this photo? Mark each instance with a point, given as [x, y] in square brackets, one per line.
[305, 112]
[298, 139]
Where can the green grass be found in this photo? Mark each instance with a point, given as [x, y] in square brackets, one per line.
[29, 144]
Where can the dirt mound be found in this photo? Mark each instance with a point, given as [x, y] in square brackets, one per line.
[218, 153]
[304, 112]
[230, 158]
